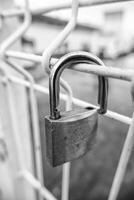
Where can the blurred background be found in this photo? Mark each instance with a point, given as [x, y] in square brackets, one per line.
[108, 32]
[102, 29]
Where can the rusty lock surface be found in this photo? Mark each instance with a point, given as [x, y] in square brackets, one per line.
[71, 134]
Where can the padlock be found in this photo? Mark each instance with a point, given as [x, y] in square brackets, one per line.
[71, 134]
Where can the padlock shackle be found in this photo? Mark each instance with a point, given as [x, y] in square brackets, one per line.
[65, 62]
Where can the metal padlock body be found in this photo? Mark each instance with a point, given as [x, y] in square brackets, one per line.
[71, 136]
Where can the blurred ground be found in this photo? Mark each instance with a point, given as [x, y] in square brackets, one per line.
[92, 175]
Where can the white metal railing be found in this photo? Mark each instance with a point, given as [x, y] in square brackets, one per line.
[45, 59]
[64, 5]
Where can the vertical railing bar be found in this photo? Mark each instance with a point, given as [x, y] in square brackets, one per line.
[34, 116]
[65, 181]
[125, 155]
[14, 124]
[66, 166]
[121, 169]
[12, 113]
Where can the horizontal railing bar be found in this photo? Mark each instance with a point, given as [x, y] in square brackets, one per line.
[81, 4]
[23, 56]
[78, 102]
[112, 72]
[37, 11]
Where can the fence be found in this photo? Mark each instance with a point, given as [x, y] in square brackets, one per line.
[8, 80]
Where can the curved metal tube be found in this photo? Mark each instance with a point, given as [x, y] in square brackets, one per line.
[19, 32]
[65, 62]
[47, 53]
